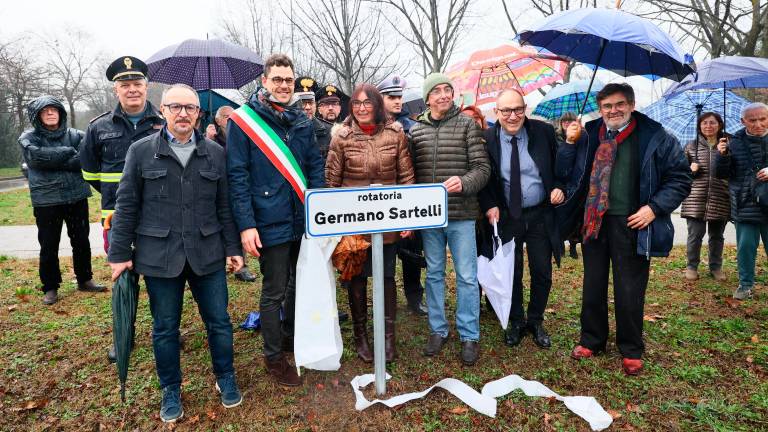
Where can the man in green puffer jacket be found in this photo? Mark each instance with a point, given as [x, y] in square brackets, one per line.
[448, 147]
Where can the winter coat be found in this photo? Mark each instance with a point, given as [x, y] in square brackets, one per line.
[260, 196]
[542, 146]
[322, 136]
[452, 146]
[52, 158]
[709, 199]
[737, 167]
[173, 214]
[358, 159]
[665, 180]
[107, 139]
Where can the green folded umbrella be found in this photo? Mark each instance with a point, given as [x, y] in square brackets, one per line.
[125, 298]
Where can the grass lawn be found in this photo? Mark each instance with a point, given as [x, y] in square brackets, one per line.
[706, 365]
[10, 172]
[16, 208]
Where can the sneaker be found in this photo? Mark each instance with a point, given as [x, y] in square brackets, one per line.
[742, 293]
[691, 274]
[717, 275]
[632, 366]
[580, 352]
[170, 408]
[227, 388]
[50, 297]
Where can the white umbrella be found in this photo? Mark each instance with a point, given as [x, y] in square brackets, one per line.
[496, 276]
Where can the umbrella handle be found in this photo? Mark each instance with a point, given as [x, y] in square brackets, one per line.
[495, 229]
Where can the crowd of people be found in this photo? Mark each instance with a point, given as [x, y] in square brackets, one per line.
[181, 206]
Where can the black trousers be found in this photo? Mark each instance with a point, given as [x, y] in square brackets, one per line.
[49, 222]
[614, 249]
[530, 230]
[277, 263]
[410, 252]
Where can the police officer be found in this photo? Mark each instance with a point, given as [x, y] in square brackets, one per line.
[408, 249]
[304, 92]
[330, 104]
[109, 135]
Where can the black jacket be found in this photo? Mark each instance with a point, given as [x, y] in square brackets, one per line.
[322, 136]
[738, 168]
[106, 142]
[173, 214]
[542, 146]
[52, 159]
[665, 179]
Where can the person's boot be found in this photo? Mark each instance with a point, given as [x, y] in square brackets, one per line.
[90, 286]
[282, 371]
[574, 254]
[51, 296]
[245, 275]
[358, 306]
[390, 316]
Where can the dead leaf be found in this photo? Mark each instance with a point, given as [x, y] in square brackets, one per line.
[755, 339]
[509, 404]
[320, 386]
[694, 401]
[614, 414]
[194, 419]
[335, 382]
[654, 305]
[13, 307]
[61, 312]
[676, 354]
[32, 405]
[750, 359]
[170, 426]
[211, 414]
[653, 317]
[549, 310]
[633, 408]
[459, 410]
[732, 302]
[24, 298]
[547, 420]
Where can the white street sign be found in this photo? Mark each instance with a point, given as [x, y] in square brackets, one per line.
[346, 211]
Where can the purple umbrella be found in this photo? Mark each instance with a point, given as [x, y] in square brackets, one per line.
[205, 65]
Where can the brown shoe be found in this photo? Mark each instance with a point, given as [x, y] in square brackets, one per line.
[718, 275]
[282, 371]
[390, 316]
[691, 274]
[358, 306]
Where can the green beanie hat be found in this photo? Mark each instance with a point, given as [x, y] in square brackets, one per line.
[433, 80]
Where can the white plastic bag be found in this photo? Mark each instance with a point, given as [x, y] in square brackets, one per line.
[497, 275]
[317, 337]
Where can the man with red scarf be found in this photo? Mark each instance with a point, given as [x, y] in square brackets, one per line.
[625, 176]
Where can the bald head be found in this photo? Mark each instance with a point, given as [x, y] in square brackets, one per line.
[510, 110]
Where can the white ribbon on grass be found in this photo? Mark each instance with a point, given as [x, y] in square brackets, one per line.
[485, 402]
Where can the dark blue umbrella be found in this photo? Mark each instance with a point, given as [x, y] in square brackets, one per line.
[611, 39]
[680, 113]
[205, 64]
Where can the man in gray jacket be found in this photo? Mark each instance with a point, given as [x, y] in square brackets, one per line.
[58, 192]
[449, 148]
[173, 208]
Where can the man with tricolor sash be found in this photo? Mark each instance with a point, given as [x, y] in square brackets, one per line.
[271, 160]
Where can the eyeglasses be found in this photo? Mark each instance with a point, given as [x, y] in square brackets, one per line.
[175, 108]
[439, 92]
[368, 104]
[620, 106]
[506, 112]
[278, 81]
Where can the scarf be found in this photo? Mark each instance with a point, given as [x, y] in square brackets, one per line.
[600, 180]
[368, 129]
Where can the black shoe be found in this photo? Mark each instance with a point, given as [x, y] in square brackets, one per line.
[434, 344]
[112, 355]
[50, 297]
[417, 308]
[514, 335]
[540, 336]
[470, 351]
[245, 275]
[343, 316]
[90, 286]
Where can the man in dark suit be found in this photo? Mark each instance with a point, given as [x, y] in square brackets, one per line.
[520, 197]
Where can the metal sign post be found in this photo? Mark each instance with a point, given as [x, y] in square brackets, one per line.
[375, 210]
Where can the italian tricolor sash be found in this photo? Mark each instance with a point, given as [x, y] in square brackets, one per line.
[272, 146]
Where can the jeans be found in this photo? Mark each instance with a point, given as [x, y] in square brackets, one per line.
[459, 235]
[166, 297]
[696, 230]
[614, 249]
[49, 220]
[278, 267]
[747, 240]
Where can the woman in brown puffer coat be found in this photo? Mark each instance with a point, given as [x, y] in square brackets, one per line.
[707, 208]
[370, 148]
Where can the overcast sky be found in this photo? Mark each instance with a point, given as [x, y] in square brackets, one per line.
[142, 27]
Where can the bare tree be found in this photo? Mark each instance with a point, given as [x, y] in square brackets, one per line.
[720, 27]
[70, 62]
[21, 77]
[345, 37]
[433, 27]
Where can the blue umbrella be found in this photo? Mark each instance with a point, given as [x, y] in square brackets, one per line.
[613, 40]
[679, 113]
[568, 97]
[205, 64]
[725, 72]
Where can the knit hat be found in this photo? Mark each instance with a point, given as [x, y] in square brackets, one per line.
[433, 80]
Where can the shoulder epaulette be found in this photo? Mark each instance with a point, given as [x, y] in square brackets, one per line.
[99, 116]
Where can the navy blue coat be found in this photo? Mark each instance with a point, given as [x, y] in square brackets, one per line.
[740, 169]
[665, 181]
[260, 196]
